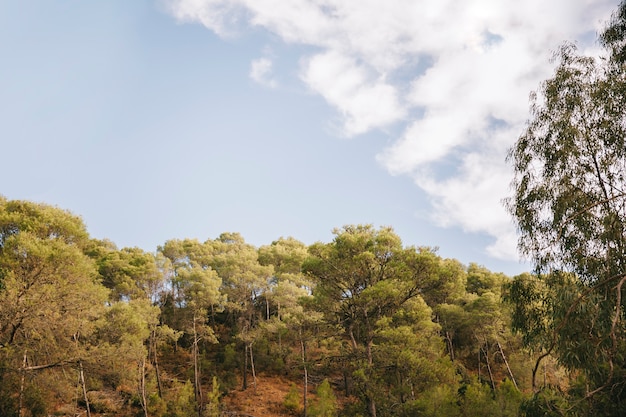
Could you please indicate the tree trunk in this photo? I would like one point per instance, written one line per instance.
(82, 382)
(306, 374)
(486, 352)
(245, 367)
(371, 407)
(507, 364)
(23, 376)
(450, 347)
(252, 367)
(371, 403)
(196, 370)
(479, 352)
(142, 387)
(155, 362)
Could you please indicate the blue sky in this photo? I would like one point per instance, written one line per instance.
(156, 120)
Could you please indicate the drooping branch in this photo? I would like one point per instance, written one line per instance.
(568, 313)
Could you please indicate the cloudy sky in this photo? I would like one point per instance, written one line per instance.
(188, 118)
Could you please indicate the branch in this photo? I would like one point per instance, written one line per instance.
(618, 312)
(570, 310)
(587, 208)
(49, 365)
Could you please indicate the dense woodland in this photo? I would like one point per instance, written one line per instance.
(393, 330)
(359, 326)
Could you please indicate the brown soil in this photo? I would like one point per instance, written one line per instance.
(267, 401)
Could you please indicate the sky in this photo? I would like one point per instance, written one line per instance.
(171, 119)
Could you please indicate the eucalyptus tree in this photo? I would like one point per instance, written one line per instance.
(569, 204)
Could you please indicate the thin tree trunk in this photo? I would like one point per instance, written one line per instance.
(82, 382)
(280, 343)
(245, 367)
(252, 367)
(306, 374)
(450, 347)
(493, 385)
(155, 361)
(371, 407)
(196, 370)
(371, 403)
(507, 364)
(23, 377)
(142, 387)
(479, 351)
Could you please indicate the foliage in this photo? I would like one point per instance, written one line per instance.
(213, 400)
(292, 401)
(478, 400)
(137, 333)
(569, 203)
(326, 403)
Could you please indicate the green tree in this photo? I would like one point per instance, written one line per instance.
(326, 404)
(478, 400)
(245, 283)
(365, 276)
(50, 298)
(569, 206)
(197, 291)
(130, 273)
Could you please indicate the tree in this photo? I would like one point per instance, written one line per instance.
(569, 203)
(129, 273)
(326, 404)
(197, 291)
(244, 283)
(50, 299)
(363, 277)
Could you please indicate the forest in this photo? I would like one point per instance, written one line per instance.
(359, 326)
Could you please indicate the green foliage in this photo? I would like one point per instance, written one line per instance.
(568, 203)
(362, 306)
(230, 357)
(365, 280)
(129, 273)
(481, 280)
(478, 400)
(545, 403)
(326, 403)
(438, 401)
(182, 401)
(35, 401)
(509, 399)
(293, 400)
(213, 400)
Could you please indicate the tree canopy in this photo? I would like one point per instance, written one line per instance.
(569, 204)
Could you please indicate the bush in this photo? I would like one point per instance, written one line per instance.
(35, 402)
(326, 404)
(292, 400)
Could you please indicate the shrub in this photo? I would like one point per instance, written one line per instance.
(326, 404)
(292, 399)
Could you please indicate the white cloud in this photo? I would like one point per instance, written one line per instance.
(364, 103)
(261, 72)
(468, 105)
